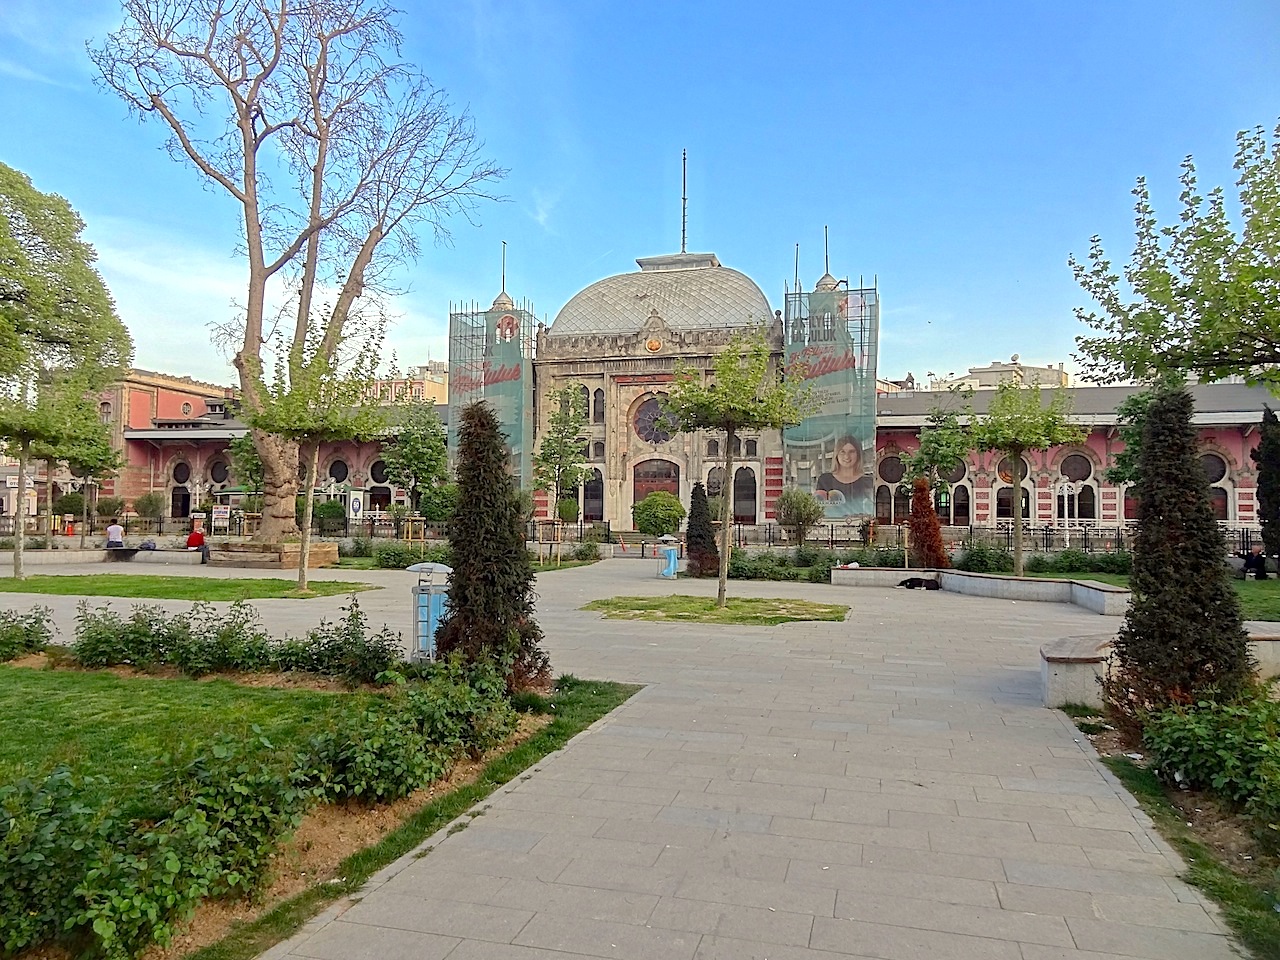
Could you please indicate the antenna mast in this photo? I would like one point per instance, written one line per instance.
(797, 286)
(826, 255)
(504, 266)
(684, 197)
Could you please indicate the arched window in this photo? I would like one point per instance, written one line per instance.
(960, 507)
(1087, 503)
(901, 503)
(884, 504)
(597, 451)
(744, 495)
(715, 481)
(752, 448)
(597, 407)
(713, 448)
(1077, 467)
(338, 471)
(104, 412)
(737, 446)
(1214, 467)
(1004, 504)
(585, 396)
(593, 497)
(1218, 501)
(652, 475)
(942, 504)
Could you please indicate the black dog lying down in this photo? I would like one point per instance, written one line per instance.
(916, 583)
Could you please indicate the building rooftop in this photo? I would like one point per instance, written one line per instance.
(689, 291)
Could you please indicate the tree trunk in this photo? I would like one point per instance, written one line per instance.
(20, 513)
(48, 501)
(726, 516)
(84, 511)
(304, 554)
(1017, 512)
(279, 488)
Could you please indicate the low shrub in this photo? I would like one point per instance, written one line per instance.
(985, 558)
(1077, 562)
(396, 555)
(346, 649)
(463, 709)
(355, 547)
(373, 755)
(216, 643)
(587, 550)
(23, 633)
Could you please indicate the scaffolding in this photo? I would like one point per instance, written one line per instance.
(831, 337)
(491, 359)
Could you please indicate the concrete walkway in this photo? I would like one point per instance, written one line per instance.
(888, 787)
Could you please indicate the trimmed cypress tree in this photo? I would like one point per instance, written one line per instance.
(488, 614)
(1183, 636)
(1267, 456)
(700, 537)
(926, 532)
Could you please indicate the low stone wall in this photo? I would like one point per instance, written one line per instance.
(272, 556)
(181, 557)
(1101, 598)
(38, 558)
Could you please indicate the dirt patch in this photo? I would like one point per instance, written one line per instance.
(327, 836)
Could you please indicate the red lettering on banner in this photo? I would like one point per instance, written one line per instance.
(469, 383)
(817, 362)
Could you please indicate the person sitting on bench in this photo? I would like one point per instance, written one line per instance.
(196, 541)
(1255, 563)
(115, 534)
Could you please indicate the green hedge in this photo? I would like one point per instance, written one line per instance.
(23, 633)
(203, 641)
(93, 873)
(396, 554)
(807, 562)
(1077, 561)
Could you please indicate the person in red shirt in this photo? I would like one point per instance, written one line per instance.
(196, 541)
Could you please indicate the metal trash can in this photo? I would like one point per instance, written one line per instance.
(668, 559)
(428, 607)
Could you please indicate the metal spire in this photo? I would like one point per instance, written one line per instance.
(826, 255)
(504, 266)
(684, 197)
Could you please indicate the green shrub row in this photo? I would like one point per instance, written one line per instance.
(23, 633)
(1231, 749)
(807, 562)
(111, 880)
(203, 641)
(1077, 561)
(396, 555)
(985, 558)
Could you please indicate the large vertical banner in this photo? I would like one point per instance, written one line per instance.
(490, 359)
(831, 337)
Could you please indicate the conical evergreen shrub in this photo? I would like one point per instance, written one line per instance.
(488, 614)
(700, 537)
(1267, 457)
(926, 532)
(1183, 636)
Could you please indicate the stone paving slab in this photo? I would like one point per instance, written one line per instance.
(887, 787)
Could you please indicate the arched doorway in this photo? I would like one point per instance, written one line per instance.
(744, 495)
(379, 498)
(649, 476)
(593, 498)
(180, 502)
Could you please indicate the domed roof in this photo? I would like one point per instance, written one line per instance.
(690, 291)
(826, 283)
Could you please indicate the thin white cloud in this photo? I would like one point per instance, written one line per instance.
(16, 70)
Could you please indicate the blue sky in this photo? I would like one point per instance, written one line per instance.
(958, 152)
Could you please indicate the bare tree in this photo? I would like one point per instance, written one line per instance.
(337, 154)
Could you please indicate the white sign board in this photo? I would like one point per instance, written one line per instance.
(222, 515)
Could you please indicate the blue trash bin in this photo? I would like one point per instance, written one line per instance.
(428, 607)
(668, 560)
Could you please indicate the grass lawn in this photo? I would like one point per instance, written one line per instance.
(745, 610)
(356, 563)
(176, 588)
(1259, 599)
(117, 727)
(565, 564)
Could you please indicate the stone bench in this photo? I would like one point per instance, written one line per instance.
(179, 555)
(1070, 668)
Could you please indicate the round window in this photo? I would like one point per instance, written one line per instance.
(956, 473)
(182, 473)
(1077, 467)
(338, 471)
(378, 471)
(1214, 467)
(186, 409)
(651, 424)
(219, 472)
(891, 469)
(1006, 469)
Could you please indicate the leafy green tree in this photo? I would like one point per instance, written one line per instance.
(1203, 291)
(700, 536)
(416, 457)
(439, 502)
(489, 611)
(798, 510)
(335, 154)
(60, 339)
(746, 392)
(72, 502)
(559, 466)
(658, 514)
(1267, 457)
(246, 463)
(149, 506)
(311, 401)
(1183, 637)
(109, 506)
(1018, 420)
(944, 442)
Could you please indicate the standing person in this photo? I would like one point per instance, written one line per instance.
(115, 534)
(847, 488)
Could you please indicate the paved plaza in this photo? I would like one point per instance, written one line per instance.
(887, 787)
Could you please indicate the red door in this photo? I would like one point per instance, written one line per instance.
(651, 475)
